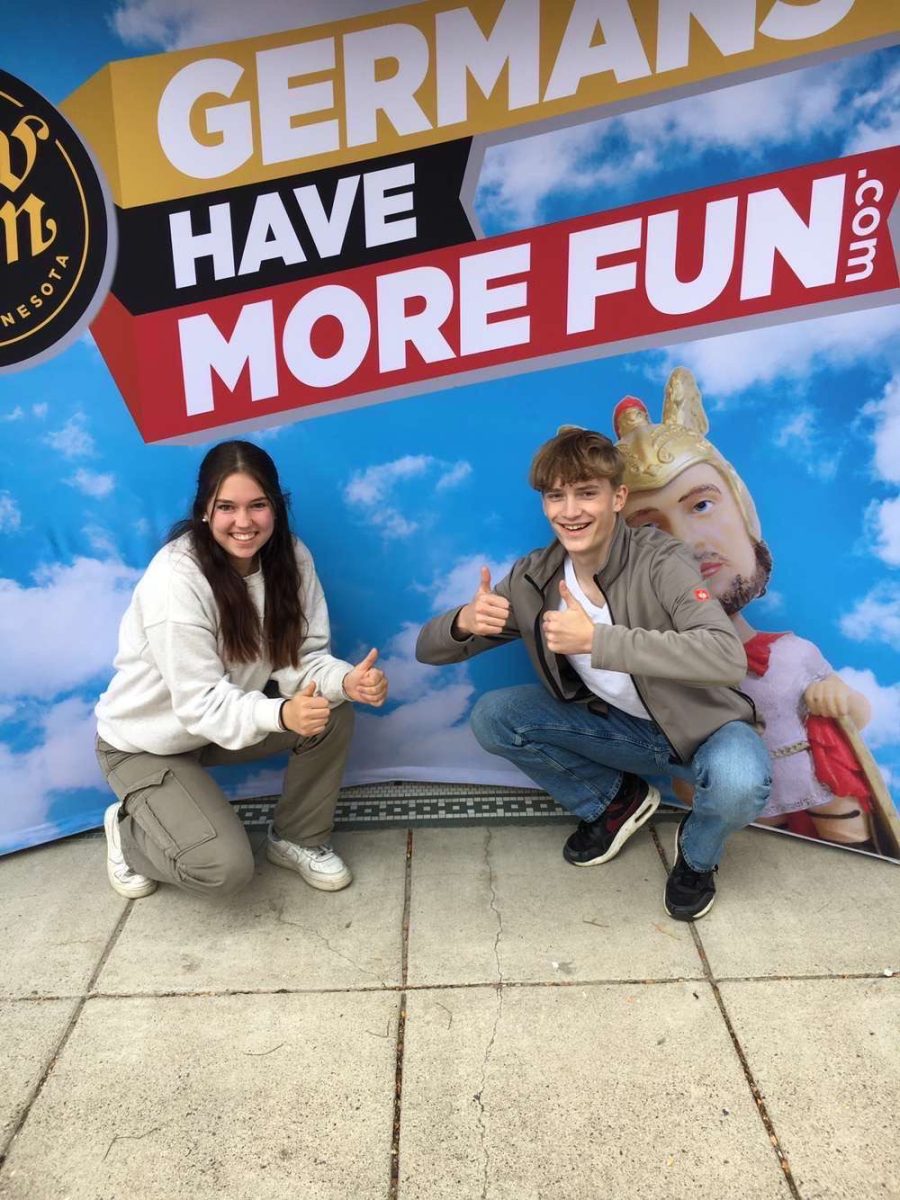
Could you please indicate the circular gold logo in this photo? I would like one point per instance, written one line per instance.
(57, 229)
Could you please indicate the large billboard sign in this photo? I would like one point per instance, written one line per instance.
(508, 215)
(245, 172)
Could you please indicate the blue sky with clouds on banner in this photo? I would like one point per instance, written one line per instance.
(401, 503)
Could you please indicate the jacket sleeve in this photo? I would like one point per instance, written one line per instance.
(205, 701)
(701, 650)
(317, 664)
(437, 645)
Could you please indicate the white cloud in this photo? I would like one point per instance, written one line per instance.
(456, 474)
(883, 516)
(10, 515)
(886, 437)
(518, 177)
(729, 365)
(521, 176)
(772, 601)
(270, 434)
(877, 113)
(408, 678)
(458, 585)
(876, 618)
(62, 761)
(73, 440)
(15, 415)
(883, 528)
(393, 524)
(176, 24)
(101, 540)
(802, 436)
(424, 739)
(60, 633)
(92, 483)
(884, 728)
(799, 428)
(427, 735)
(370, 491)
(370, 487)
(40, 410)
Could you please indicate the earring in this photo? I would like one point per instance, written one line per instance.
(206, 520)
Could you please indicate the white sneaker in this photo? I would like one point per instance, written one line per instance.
(320, 866)
(125, 881)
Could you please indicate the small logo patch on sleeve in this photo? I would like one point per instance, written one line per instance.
(701, 594)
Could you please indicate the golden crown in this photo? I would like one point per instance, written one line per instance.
(656, 454)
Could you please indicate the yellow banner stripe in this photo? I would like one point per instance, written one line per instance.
(194, 121)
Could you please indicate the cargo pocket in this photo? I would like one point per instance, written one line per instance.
(168, 813)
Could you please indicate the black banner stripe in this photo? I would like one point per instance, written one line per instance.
(146, 278)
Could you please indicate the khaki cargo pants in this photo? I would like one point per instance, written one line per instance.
(177, 826)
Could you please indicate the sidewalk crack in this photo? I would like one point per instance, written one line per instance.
(130, 1137)
(283, 920)
(479, 1095)
(494, 909)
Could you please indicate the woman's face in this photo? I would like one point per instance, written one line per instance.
(241, 520)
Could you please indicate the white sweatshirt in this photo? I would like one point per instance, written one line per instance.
(173, 691)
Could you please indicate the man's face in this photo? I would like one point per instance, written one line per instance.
(698, 508)
(583, 516)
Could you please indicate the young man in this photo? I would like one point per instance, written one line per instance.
(640, 668)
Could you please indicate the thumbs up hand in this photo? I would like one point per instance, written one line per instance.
(366, 683)
(570, 630)
(486, 614)
(306, 713)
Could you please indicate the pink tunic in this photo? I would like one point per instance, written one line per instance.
(794, 664)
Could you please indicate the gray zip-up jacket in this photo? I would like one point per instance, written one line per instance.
(668, 633)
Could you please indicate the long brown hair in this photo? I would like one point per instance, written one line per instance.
(284, 625)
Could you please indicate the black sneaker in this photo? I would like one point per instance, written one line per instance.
(689, 893)
(600, 840)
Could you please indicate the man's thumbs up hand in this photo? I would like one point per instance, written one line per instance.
(486, 614)
(570, 630)
(366, 683)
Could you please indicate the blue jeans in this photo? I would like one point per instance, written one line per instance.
(578, 757)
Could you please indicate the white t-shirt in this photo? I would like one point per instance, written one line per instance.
(615, 687)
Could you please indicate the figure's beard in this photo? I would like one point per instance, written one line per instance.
(742, 589)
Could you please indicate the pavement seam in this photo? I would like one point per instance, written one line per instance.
(389, 987)
(875, 976)
(83, 998)
(394, 1180)
(479, 1095)
(430, 987)
(755, 1091)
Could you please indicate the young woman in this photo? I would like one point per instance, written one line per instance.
(230, 602)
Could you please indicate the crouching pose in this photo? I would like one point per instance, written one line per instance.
(231, 601)
(640, 669)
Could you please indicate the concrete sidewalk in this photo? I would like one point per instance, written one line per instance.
(473, 1018)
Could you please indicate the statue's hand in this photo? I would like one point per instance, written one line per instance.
(831, 697)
